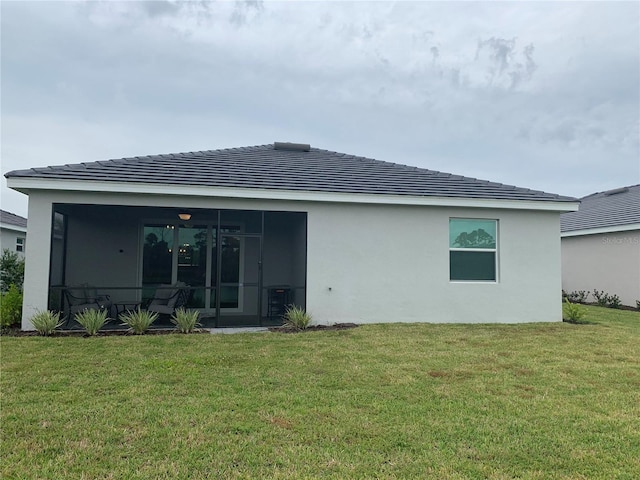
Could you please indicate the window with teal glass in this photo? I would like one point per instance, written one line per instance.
(473, 251)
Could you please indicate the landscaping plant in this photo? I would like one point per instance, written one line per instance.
(11, 270)
(572, 312)
(296, 317)
(10, 307)
(579, 296)
(46, 322)
(613, 301)
(186, 321)
(138, 320)
(602, 298)
(92, 320)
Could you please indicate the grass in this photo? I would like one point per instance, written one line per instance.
(535, 401)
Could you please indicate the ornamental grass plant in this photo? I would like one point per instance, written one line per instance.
(45, 322)
(186, 321)
(92, 320)
(138, 320)
(296, 318)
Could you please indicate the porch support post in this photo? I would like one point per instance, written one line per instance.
(218, 267)
(37, 257)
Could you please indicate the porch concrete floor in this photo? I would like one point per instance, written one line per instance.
(236, 330)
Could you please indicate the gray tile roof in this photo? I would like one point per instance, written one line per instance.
(612, 208)
(293, 167)
(9, 218)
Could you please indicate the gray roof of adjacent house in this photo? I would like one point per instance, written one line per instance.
(613, 208)
(286, 166)
(8, 218)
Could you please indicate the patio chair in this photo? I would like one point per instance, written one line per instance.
(85, 297)
(168, 298)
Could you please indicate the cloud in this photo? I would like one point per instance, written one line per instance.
(546, 85)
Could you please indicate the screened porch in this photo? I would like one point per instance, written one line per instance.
(237, 267)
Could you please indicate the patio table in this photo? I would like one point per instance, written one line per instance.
(125, 305)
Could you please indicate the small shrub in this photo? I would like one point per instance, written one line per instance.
(46, 322)
(186, 321)
(11, 307)
(602, 298)
(138, 320)
(579, 296)
(11, 270)
(572, 312)
(296, 318)
(613, 301)
(92, 320)
(582, 296)
(638, 304)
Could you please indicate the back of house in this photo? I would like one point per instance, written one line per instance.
(244, 232)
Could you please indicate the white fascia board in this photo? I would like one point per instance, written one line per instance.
(15, 228)
(595, 231)
(25, 184)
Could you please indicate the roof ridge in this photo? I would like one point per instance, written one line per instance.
(612, 208)
(611, 190)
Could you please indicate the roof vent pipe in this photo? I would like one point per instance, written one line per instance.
(296, 147)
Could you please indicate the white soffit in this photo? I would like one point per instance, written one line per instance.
(15, 228)
(596, 231)
(24, 185)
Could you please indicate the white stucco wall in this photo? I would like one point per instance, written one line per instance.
(8, 239)
(369, 264)
(36, 268)
(606, 261)
(372, 263)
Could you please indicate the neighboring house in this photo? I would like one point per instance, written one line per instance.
(601, 245)
(350, 239)
(13, 232)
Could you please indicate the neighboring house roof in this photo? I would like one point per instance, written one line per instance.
(613, 210)
(12, 221)
(285, 166)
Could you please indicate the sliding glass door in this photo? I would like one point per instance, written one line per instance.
(157, 257)
(239, 279)
(192, 262)
(191, 254)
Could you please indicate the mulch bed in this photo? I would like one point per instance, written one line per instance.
(621, 307)
(16, 332)
(314, 328)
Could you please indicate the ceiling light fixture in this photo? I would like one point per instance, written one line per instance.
(184, 216)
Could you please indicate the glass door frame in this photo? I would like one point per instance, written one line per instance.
(215, 230)
(213, 234)
(241, 279)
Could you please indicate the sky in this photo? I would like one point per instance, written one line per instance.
(543, 95)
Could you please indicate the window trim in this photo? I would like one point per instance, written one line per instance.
(21, 244)
(491, 250)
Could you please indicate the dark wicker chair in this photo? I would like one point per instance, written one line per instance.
(84, 297)
(168, 298)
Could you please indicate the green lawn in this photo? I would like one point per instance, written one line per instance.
(383, 401)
